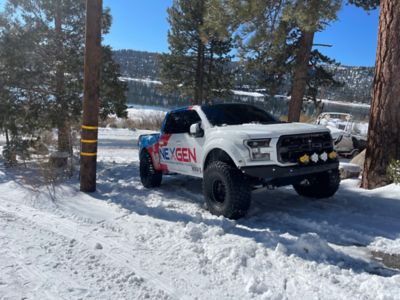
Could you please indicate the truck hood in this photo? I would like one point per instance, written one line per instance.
(270, 130)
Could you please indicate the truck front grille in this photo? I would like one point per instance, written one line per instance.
(291, 147)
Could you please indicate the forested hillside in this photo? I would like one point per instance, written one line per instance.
(357, 81)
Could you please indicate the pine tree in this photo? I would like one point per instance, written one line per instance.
(319, 78)
(365, 4)
(20, 102)
(113, 92)
(309, 17)
(277, 38)
(384, 124)
(266, 43)
(197, 66)
(56, 65)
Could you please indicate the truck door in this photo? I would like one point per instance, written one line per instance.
(180, 151)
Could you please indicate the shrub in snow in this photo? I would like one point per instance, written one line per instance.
(394, 171)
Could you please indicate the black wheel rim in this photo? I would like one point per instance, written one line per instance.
(218, 191)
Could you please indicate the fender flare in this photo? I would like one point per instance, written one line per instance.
(234, 154)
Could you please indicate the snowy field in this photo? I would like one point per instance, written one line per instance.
(126, 242)
(142, 112)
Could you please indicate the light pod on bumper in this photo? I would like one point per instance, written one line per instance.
(332, 155)
(324, 156)
(305, 159)
(315, 158)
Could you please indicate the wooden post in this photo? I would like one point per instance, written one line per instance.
(90, 121)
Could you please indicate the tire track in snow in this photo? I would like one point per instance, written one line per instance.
(29, 273)
(67, 228)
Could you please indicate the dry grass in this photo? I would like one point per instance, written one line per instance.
(303, 118)
(39, 174)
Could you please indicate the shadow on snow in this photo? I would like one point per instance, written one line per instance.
(350, 218)
(347, 219)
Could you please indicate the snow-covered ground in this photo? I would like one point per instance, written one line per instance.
(127, 242)
(142, 113)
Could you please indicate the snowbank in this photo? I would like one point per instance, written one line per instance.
(145, 113)
(127, 242)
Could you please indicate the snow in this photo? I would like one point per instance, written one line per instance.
(147, 81)
(352, 104)
(248, 94)
(127, 242)
(327, 101)
(140, 113)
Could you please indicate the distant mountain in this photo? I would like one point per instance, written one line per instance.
(357, 84)
(357, 80)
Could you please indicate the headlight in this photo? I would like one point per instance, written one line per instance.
(259, 149)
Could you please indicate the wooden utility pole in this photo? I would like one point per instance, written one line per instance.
(91, 95)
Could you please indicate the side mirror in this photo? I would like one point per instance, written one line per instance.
(196, 130)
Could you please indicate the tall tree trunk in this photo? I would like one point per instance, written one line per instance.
(199, 79)
(300, 75)
(199, 88)
(7, 138)
(384, 124)
(63, 128)
(210, 74)
(64, 136)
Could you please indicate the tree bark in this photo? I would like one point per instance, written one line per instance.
(199, 79)
(300, 75)
(7, 138)
(384, 124)
(64, 137)
(199, 88)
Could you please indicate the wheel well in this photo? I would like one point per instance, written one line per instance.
(144, 150)
(218, 155)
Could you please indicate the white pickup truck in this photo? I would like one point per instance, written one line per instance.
(236, 148)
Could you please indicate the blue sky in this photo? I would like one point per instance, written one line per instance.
(142, 25)
(354, 37)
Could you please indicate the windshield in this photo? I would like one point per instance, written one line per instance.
(236, 114)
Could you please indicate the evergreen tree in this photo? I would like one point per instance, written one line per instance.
(277, 38)
(266, 43)
(55, 67)
(320, 78)
(20, 100)
(197, 65)
(309, 17)
(113, 92)
(365, 4)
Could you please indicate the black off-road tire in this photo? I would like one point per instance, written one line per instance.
(226, 191)
(149, 176)
(318, 186)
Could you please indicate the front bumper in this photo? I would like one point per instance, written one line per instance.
(270, 173)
